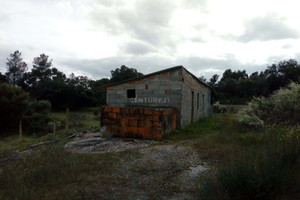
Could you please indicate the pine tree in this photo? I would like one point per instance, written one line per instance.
(15, 68)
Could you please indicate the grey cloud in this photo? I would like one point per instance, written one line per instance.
(191, 4)
(3, 56)
(208, 66)
(100, 68)
(287, 46)
(4, 17)
(276, 59)
(137, 48)
(269, 27)
(146, 64)
(146, 21)
(297, 57)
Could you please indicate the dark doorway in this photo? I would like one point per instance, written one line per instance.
(192, 107)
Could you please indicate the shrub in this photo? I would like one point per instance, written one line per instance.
(248, 118)
(37, 119)
(41, 107)
(283, 107)
(264, 172)
(37, 124)
(77, 119)
(219, 108)
(13, 103)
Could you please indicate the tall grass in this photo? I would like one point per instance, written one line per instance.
(52, 173)
(46, 168)
(260, 172)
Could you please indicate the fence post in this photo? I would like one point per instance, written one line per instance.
(67, 120)
(54, 127)
(20, 132)
(100, 120)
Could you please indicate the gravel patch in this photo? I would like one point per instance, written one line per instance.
(93, 143)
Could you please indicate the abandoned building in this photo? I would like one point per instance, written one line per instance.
(155, 104)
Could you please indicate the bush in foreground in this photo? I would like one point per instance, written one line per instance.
(283, 107)
(264, 172)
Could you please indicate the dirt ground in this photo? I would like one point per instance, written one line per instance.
(93, 143)
(142, 170)
(158, 171)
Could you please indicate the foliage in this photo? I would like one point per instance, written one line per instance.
(15, 68)
(37, 124)
(41, 174)
(280, 108)
(45, 82)
(3, 78)
(262, 172)
(13, 103)
(203, 79)
(124, 73)
(237, 87)
(77, 119)
(247, 117)
(37, 117)
(42, 107)
(98, 90)
(50, 166)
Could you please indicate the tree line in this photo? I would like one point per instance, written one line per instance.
(45, 82)
(237, 87)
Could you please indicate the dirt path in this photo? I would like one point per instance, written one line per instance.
(140, 170)
(157, 171)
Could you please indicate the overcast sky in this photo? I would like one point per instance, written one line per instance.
(92, 37)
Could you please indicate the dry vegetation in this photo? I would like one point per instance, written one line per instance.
(232, 153)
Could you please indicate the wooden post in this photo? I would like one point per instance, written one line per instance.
(54, 127)
(67, 120)
(20, 132)
(100, 121)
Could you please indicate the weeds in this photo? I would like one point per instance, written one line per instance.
(36, 175)
(260, 172)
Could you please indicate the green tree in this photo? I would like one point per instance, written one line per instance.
(124, 73)
(213, 80)
(3, 78)
(203, 79)
(41, 70)
(15, 68)
(13, 103)
(98, 90)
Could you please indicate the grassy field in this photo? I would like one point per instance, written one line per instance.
(79, 121)
(244, 164)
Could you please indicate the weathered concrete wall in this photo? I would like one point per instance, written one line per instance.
(172, 89)
(147, 123)
(159, 91)
(201, 106)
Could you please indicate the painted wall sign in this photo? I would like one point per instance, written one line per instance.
(149, 100)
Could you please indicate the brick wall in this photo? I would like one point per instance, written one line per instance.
(147, 123)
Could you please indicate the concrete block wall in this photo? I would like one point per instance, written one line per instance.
(172, 89)
(147, 123)
(201, 105)
(161, 90)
